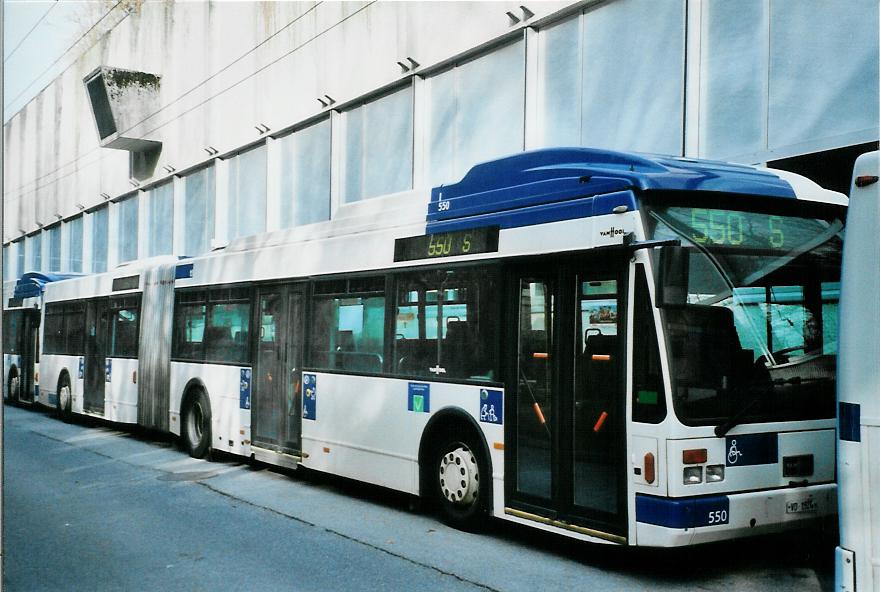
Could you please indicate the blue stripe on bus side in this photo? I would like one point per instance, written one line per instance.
(682, 513)
(849, 418)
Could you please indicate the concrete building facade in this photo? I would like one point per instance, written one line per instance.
(185, 125)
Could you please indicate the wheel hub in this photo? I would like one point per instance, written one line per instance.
(64, 397)
(195, 424)
(459, 476)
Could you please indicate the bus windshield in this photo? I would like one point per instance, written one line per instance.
(749, 303)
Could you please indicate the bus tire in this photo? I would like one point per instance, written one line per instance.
(459, 473)
(65, 399)
(13, 387)
(196, 433)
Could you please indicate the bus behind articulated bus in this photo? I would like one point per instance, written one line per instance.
(22, 302)
(858, 393)
(610, 346)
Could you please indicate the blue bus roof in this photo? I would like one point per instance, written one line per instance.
(561, 183)
(32, 283)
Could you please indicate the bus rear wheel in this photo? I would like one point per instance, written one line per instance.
(65, 400)
(460, 472)
(197, 425)
(13, 388)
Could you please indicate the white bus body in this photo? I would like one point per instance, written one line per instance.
(498, 340)
(858, 445)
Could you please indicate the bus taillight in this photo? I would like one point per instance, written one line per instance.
(694, 456)
(650, 473)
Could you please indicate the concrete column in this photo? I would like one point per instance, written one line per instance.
(143, 224)
(179, 208)
(421, 131)
(274, 199)
(533, 136)
(337, 160)
(221, 206)
(64, 237)
(693, 41)
(88, 267)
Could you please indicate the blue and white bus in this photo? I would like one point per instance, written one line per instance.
(22, 300)
(610, 346)
(858, 391)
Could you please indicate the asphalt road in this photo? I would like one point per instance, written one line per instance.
(90, 507)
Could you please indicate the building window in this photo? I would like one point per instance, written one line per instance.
(305, 175)
(8, 272)
(74, 244)
(54, 236)
(379, 146)
(34, 246)
(625, 103)
(247, 193)
(198, 211)
(160, 220)
(100, 224)
(778, 79)
(127, 235)
(477, 112)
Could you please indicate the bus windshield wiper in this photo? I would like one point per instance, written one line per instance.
(734, 420)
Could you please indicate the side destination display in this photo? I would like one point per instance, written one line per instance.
(447, 244)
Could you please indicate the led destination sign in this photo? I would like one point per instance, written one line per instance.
(447, 244)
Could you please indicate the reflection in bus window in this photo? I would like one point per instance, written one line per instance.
(457, 306)
(348, 330)
(124, 328)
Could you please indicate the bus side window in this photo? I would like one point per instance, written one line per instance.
(348, 325)
(649, 400)
(446, 323)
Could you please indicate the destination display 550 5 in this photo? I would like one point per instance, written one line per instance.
(447, 244)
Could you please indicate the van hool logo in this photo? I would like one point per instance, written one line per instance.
(612, 232)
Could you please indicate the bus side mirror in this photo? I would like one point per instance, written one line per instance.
(672, 277)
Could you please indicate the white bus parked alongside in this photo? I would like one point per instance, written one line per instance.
(613, 347)
(22, 301)
(858, 390)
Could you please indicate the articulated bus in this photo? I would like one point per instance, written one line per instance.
(858, 446)
(21, 324)
(610, 346)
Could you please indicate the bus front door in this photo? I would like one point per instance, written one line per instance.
(96, 372)
(275, 407)
(566, 462)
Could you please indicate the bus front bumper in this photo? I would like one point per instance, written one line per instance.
(675, 522)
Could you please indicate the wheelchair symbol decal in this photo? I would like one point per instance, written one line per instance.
(732, 453)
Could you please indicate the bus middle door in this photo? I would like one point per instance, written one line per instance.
(275, 409)
(96, 372)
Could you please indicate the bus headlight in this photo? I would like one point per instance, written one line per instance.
(714, 473)
(693, 475)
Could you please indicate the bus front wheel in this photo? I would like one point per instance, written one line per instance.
(197, 425)
(460, 487)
